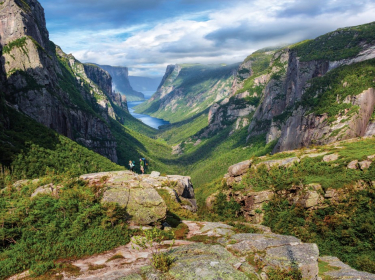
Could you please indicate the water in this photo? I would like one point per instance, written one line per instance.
(146, 119)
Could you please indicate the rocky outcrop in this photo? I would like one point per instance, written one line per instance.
(120, 82)
(138, 194)
(39, 82)
(308, 196)
(231, 256)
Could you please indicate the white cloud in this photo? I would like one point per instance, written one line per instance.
(229, 35)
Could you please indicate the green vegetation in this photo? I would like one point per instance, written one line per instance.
(18, 43)
(32, 150)
(23, 5)
(199, 85)
(38, 231)
(340, 44)
(325, 267)
(178, 132)
(327, 94)
(284, 274)
(160, 260)
(343, 228)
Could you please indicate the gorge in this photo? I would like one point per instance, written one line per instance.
(274, 157)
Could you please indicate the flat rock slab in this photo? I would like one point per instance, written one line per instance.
(344, 271)
(305, 256)
(200, 261)
(253, 242)
(331, 157)
(287, 162)
(209, 229)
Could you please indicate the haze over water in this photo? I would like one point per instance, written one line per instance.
(146, 119)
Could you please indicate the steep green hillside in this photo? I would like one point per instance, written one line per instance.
(189, 90)
(31, 150)
(340, 44)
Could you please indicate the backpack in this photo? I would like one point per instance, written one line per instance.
(145, 161)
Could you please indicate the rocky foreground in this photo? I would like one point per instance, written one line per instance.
(206, 250)
(221, 254)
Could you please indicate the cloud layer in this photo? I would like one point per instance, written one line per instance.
(147, 35)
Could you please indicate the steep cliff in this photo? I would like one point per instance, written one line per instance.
(188, 89)
(48, 85)
(319, 91)
(315, 92)
(120, 82)
(104, 81)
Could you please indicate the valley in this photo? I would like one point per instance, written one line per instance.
(261, 169)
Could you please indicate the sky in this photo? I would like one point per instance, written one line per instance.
(148, 35)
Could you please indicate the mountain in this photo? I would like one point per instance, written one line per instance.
(144, 83)
(49, 86)
(39, 81)
(121, 83)
(189, 89)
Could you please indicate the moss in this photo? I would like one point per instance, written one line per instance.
(18, 43)
(325, 267)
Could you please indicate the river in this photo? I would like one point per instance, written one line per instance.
(146, 119)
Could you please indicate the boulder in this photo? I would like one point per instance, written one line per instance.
(184, 187)
(239, 168)
(155, 174)
(138, 194)
(47, 189)
(143, 204)
(331, 157)
(310, 199)
(353, 164)
(364, 164)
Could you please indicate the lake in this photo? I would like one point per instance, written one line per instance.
(146, 119)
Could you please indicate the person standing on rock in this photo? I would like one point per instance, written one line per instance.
(131, 165)
(142, 164)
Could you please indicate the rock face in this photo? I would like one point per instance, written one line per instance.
(120, 82)
(138, 193)
(294, 126)
(49, 86)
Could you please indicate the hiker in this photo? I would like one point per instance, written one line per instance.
(142, 164)
(131, 165)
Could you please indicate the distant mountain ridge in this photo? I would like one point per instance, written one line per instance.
(189, 89)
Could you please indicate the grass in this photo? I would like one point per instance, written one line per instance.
(340, 44)
(321, 97)
(115, 257)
